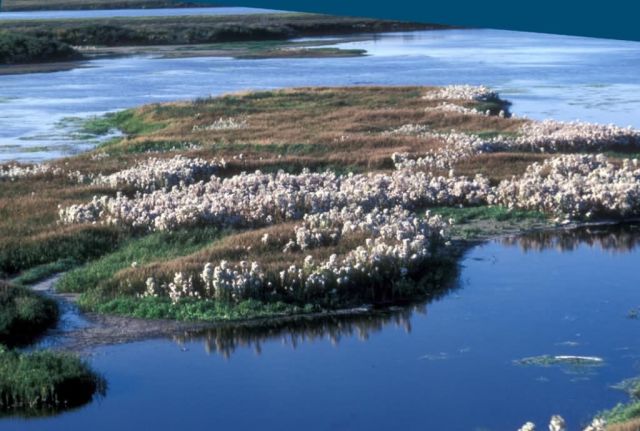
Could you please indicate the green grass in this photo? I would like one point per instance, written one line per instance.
(496, 213)
(81, 245)
(24, 315)
(33, 384)
(621, 412)
(42, 272)
(143, 250)
(126, 121)
(197, 310)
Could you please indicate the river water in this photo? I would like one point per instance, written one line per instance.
(446, 365)
(564, 78)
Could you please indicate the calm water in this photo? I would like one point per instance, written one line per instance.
(545, 76)
(444, 365)
(113, 13)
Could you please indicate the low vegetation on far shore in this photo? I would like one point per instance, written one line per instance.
(27, 48)
(31, 41)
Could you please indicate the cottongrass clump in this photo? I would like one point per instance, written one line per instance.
(462, 92)
(558, 136)
(259, 199)
(458, 109)
(557, 423)
(223, 123)
(15, 171)
(398, 245)
(580, 186)
(455, 147)
(158, 173)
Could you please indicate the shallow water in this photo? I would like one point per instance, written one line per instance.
(444, 365)
(564, 78)
(113, 13)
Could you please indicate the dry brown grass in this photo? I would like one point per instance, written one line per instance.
(632, 425)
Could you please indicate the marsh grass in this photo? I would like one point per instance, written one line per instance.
(497, 213)
(24, 315)
(44, 271)
(125, 121)
(33, 384)
(142, 250)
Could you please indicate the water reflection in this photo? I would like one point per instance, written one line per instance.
(621, 238)
(225, 340)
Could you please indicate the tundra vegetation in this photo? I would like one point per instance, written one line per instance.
(299, 201)
(244, 36)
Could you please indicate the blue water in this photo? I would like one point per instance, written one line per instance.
(545, 76)
(124, 13)
(445, 365)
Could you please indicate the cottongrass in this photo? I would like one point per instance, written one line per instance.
(578, 186)
(557, 423)
(398, 245)
(223, 123)
(158, 173)
(15, 171)
(462, 92)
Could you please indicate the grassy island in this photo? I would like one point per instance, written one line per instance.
(302, 201)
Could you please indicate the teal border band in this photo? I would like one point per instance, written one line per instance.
(614, 19)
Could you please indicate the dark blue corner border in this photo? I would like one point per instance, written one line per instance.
(614, 19)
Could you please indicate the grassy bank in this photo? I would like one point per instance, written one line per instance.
(200, 29)
(40, 383)
(24, 315)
